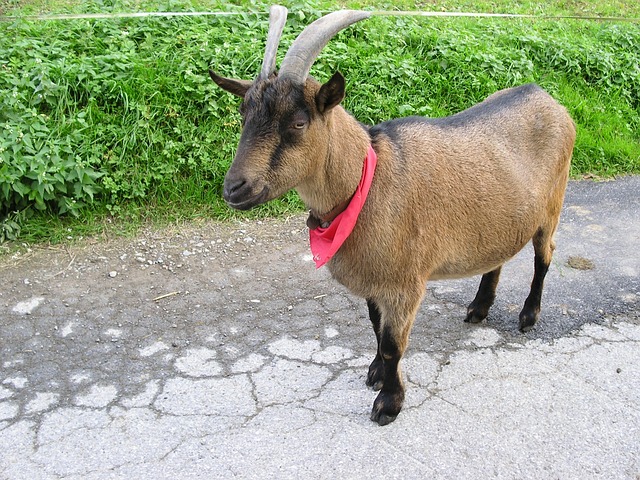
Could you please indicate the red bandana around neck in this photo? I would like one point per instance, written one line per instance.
(325, 242)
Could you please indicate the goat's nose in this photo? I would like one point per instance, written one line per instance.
(234, 188)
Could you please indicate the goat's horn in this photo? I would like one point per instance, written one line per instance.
(277, 19)
(304, 50)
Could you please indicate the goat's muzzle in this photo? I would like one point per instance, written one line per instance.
(241, 194)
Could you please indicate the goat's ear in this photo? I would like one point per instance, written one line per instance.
(237, 87)
(331, 93)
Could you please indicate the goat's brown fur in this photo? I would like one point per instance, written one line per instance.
(458, 201)
(450, 197)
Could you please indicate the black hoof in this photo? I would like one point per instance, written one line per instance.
(474, 315)
(386, 407)
(528, 319)
(477, 311)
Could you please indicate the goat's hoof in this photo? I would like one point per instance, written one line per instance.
(474, 316)
(386, 407)
(476, 312)
(528, 319)
(375, 377)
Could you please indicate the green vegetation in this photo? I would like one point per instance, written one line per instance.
(115, 122)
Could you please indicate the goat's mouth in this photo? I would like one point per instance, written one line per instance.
(245, 203)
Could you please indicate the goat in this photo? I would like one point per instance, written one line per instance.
(450, 197)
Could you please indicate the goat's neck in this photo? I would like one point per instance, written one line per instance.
(339, 169)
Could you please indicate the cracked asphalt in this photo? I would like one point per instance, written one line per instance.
(218, 351)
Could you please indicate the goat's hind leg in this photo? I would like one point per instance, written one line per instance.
(479, 308)
(543, 247)
(375, 376)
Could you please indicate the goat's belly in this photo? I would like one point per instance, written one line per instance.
(451, 272)
(468, 264)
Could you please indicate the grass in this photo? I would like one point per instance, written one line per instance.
(108, 124)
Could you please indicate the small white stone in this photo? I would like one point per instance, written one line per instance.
(66, 330)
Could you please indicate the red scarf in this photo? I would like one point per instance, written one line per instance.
(325, 242)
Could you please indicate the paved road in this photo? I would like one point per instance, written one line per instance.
(217, 351)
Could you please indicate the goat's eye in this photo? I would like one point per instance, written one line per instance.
(298, 123)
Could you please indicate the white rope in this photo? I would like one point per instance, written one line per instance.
(97, 16)
(502, 15)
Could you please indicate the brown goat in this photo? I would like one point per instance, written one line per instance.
(450, 197)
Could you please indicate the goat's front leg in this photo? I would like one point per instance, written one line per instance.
(396, 318)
